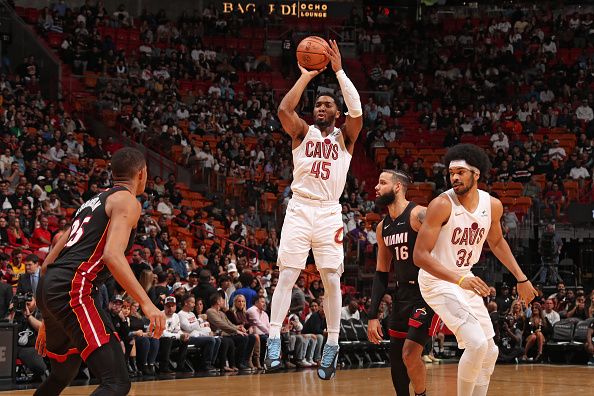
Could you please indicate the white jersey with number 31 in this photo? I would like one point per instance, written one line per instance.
(461, 239)
(320, 165)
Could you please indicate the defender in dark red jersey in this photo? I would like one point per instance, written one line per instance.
(411, 321)
(77, 329)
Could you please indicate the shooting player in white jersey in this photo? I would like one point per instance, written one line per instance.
(449, 243)
(321, 159)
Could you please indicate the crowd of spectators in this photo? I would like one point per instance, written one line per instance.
(519, 84)
(499, 78)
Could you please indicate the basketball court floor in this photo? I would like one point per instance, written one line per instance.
(525, 380)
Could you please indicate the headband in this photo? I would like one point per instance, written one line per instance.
(463, 164)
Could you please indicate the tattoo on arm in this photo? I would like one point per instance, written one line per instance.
(421, 215)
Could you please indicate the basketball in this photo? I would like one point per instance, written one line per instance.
(310, 53)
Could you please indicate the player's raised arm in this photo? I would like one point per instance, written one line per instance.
(124, 211)
(502, 251)
(354, 119)
(379, 287)
(295, 126)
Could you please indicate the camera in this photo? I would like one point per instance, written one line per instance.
(20, 300)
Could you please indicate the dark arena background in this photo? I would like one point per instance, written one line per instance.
(196, 85)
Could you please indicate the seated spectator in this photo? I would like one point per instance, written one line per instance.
(16, 236)
(250, 294)
(16, 267)
(172, 337)
(200, 332)
(509, 340)
(42, 237)
(236, 352)
(147, 347)
(351, 310)
(237, 315)
(204, 289)
(579, 309)
(550, 313)
(535, 333)
(179, 263)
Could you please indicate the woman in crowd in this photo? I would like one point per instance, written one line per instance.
(237, 316)
(535, 332)
(147, 347)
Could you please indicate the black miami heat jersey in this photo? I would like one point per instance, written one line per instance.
(83, 251)
(400, 238)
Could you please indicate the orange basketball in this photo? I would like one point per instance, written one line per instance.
(310, 53)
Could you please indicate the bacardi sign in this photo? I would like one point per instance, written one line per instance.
(299, 9)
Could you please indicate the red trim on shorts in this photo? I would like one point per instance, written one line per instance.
(61, 358)
(397, 334)
(414, 323)
(435, 322)
(82, 303)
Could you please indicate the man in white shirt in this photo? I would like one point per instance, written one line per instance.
(550, 313)
(240, 221)
(56, 152)
(351, 311)
(200, 332)
(578, 171)
(172, 336)
(584, 112)
(557, 152)
(500, 141)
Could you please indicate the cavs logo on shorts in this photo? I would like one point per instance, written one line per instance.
(339, 236)
(419, 312)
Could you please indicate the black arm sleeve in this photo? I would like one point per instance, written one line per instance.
(378, 289)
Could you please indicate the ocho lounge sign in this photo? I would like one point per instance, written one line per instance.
(299, 9)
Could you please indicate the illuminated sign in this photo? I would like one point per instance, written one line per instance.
(299, 9)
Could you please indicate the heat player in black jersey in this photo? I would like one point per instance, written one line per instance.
(411, 321)
(75, 328)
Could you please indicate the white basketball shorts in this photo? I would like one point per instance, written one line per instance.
(316, 225)
(454, 305)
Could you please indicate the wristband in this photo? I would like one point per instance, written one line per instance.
(461, 279)
(524, 281)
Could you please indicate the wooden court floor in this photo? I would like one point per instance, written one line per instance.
(524, 380)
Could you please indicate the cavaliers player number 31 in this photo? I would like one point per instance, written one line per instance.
(321, 158)
(77, 328)
(449, 243)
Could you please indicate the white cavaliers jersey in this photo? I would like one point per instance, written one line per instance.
(461, 239)
(320, 165)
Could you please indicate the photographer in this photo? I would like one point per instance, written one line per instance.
(549, 250)
(25, 314)
(509, 340)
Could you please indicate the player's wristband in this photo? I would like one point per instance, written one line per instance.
(461, 279)
(524, 281)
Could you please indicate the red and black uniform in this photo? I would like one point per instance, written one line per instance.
(411, 317)
(74, 321)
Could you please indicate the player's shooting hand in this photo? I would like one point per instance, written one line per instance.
(526, 292)
(309, 73)
(475, 284)
(374, 331)
(40, 342)
(156, 318)
(334, 54)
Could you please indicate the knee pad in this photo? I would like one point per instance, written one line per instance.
(488, 365)
(476, 348)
